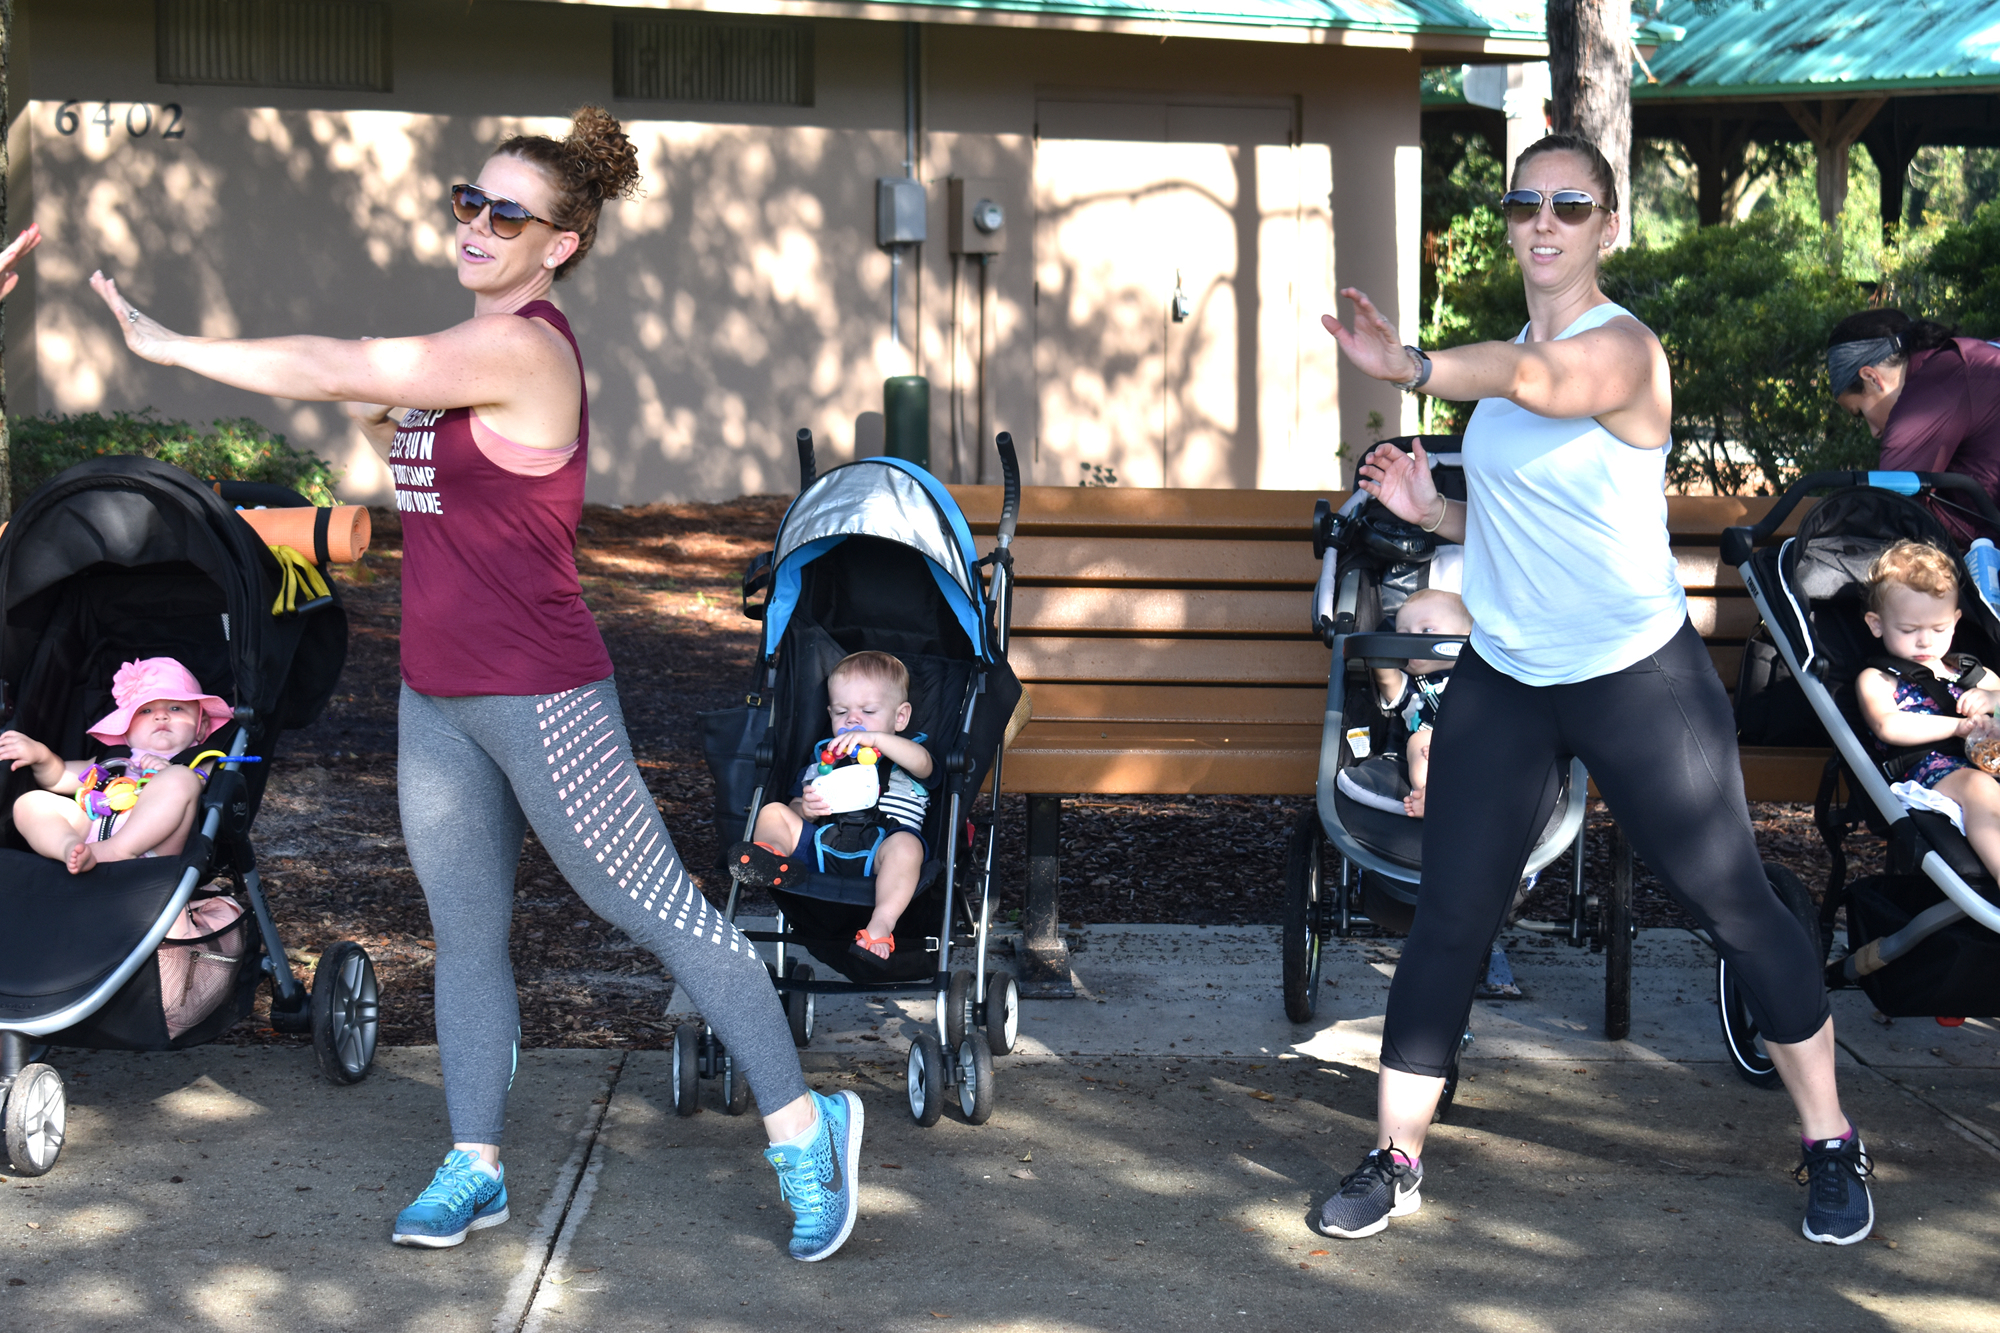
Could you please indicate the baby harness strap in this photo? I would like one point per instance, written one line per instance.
(1421, 698)
(1968, 675)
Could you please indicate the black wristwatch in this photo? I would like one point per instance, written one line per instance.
(1423, 375)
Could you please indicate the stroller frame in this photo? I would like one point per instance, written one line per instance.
(953, 1056)
(1929, 848)
(341, 1009)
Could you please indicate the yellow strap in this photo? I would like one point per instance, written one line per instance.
(300, 576)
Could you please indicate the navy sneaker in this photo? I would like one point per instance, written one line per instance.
(1380, 1188)
(1835, 1173)
(822, 1179)
(464, 1195)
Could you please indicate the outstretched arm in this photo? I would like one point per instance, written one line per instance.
(488, 360)
(30, 237)
(1616, 373)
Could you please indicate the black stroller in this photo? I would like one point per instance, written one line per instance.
(122, 558)
(876, 555)
(1923, 940)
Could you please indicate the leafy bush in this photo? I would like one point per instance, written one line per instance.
(238, 450)
(1743, 312)
(1957, 281)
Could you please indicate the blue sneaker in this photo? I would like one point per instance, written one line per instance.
(1839, 1210)
(464, 1195)
(821, 1179)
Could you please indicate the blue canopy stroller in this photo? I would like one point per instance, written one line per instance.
(122, 558)
(876, 555)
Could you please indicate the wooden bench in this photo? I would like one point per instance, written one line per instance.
(1163, 638)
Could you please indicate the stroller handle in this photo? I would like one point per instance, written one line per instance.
(1738, 542)
(807, 469)
(1010, 473)
(1392, 650)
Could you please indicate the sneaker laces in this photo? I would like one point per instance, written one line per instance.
(1822, 1168)
(455, 1183)
(802, 1184)
(1377, 1169)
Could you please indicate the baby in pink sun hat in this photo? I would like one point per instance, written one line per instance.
(87, 813)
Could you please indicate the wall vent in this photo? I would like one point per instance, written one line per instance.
(695, 58)
(334, 44)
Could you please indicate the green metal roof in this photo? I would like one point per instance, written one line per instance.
(1511, 20)
(1825, 48)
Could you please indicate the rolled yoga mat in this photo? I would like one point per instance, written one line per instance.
(339, 534)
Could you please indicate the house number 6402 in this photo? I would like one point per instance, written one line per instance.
(140, 119)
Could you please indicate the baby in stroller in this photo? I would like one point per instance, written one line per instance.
(1921, 701)
(121, 809)
(1416, 692)
(879, 823)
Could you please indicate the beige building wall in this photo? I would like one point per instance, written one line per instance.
(744, 296)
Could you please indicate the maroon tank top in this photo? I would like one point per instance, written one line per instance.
(491, 602)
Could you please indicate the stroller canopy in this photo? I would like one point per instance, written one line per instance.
(890, 499)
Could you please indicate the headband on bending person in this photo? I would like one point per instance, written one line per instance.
(1845, 360)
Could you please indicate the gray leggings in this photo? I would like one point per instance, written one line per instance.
(472, 773)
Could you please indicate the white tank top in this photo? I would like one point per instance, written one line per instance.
(1568, 568)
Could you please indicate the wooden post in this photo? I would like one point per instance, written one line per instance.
(1833, 126)
(1892, 141)
(1044, 959)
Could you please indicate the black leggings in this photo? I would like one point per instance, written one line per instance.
(1660, 742)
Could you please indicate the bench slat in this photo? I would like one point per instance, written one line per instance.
(1185, 661)
(1170, 561)
(1222, 705)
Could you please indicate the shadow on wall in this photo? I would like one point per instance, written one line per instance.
(741, 298)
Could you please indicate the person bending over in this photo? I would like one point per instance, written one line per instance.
(1417, 693)
(1913, 610)
(868, 700)
(87, 813)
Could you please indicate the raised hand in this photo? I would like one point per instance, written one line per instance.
(143, 334)
(1401, 481)
(1370, 341)
(30, 237)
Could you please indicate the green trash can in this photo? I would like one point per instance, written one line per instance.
(906, 419)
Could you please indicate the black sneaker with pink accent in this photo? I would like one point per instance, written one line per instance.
(1382, 1187)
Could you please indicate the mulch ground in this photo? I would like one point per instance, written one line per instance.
(664, 583)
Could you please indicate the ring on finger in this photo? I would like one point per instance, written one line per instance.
(131, 316)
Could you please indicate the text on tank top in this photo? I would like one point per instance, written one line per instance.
(1568, 568)
(491, 600)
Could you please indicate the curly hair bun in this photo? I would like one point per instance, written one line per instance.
(600, 157)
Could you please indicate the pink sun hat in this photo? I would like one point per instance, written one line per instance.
(140, 683)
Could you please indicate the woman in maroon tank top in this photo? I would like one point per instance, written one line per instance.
(509, 715)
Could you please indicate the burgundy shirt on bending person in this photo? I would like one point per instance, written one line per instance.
(491, 601)
(1947, 419)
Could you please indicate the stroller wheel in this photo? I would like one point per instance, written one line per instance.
(345, 1012)
(1739, 1032)
(1003, 1011)
(687, 1074)
(735, 1088)
(975, 1079)
(1448, 1096)
(958, 1015)
(1305, 880)
(36, 1113)
(926, 1079)
(799, 1006)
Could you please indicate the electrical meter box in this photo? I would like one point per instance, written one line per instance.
(900, 212)
(977, 220)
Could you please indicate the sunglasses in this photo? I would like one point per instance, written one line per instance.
(1569, 206)
(510, 219)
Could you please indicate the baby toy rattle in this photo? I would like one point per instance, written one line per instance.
(863, 754)
(104, 793)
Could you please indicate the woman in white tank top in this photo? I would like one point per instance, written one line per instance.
(1581, 647)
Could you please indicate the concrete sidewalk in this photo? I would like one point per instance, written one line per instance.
(1156, 1147)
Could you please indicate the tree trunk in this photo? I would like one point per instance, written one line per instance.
(6, 443)
(1590, 71)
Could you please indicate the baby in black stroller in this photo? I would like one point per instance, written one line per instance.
(141, 805)
(861, 798)
(1414, 692)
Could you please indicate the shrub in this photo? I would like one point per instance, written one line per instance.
(1743, 312)
(1957, 281)
(238, 450)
